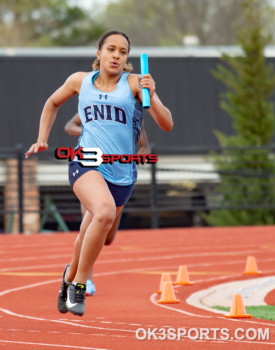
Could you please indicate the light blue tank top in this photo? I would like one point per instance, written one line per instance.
(111, 121)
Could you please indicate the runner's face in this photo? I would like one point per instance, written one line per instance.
(113, 54)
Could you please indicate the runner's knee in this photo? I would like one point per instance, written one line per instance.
(106, 215)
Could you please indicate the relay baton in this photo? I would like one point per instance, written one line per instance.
(144, 70)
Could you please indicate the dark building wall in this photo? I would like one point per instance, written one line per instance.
(184, 84)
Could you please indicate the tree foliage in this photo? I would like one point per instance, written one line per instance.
(147, 22)
(247, 176)
(167, 22)
(45, 23)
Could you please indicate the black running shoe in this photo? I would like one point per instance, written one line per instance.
(76, 299)
(62, 296)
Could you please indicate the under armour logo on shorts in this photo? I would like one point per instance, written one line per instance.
(76, 172)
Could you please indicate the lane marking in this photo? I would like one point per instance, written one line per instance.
(23, 274)
(33, 331)
(26, 258)
(189, 272)
(159, 247)
(54, 345)
(207, 264)
(130, 247)
(121, 323)
(60, 321)
(244, 320)
(154, 296)
(141, 250)
(28, 286)
(79, 325)
(57, 332)
(109, 273)
(232, 262)
(32, 267)
(253, 292)
(269, 247)
(49, 250)
(170, 256)
(153, 300)
(247, 342)
(65, 322)
(105, 274)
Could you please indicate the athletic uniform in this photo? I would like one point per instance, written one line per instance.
(112, 122)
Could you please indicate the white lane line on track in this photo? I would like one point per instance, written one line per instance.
(121, 336)
(105, 322)
(221, 341)
(225, 341)
(246, 321)
(56, 332)
(141, 249)
(104, 335)
(33, 331)
(228, 319)
(67, 245)
(170, 256)
(59, 279)
(214, 263)
(49, 250)
(65, 322)
(121, 323)
(249, 342)
(28, 286)
(21, 268)
(54, 345)
(36, 258)
(234, 319)
(153, 300)
(28, 246)
(113, 273)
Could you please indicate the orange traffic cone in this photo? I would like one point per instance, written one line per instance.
(237, 309)
(182, 277)
(251, 266)
(168, 294)
(165, 277)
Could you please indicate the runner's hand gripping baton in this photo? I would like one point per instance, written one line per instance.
(144, 70)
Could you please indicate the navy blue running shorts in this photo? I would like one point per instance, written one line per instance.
(121, 194)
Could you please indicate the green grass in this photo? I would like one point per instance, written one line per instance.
(265, 312)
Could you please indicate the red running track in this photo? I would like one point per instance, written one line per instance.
(127, 274)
